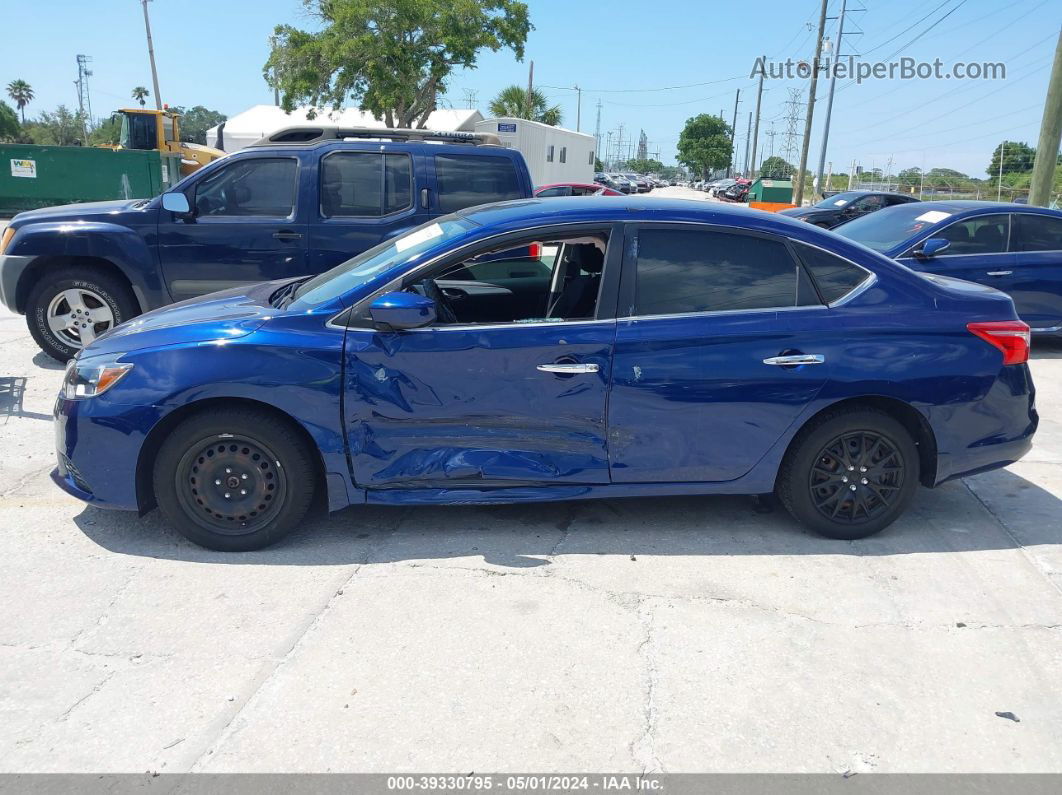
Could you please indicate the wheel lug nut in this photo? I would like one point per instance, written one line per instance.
(852, 487)
(844, 478)
(228, 496)
(851, 469)
(864, 481)
(244, 476)
(862, 469)
(228, 471)
(243, 491)
(217, 482)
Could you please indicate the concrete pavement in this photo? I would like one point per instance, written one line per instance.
(691, 634)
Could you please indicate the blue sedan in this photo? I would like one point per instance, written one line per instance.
(1012, 247)
(552, 350)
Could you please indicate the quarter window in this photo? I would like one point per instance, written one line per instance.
(706, 271)
(1038, 233)
(467, 180)
(365, 184)
(985, 234)
(258, 187)
(834, 276)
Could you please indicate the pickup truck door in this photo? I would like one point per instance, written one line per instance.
(248, 225)
(366, 197)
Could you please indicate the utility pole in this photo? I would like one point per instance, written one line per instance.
(748, 136)
(1050, 136)
(578, 108)
(851, 175)
(733, 134)
(756, 129)
(608, 152)
(597, 131)
(834, 57)
(770, 135)
(530, 86)
(151, 57)
(798, 189)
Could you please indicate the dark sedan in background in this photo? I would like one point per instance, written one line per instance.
(843, 207)
(1012, 247)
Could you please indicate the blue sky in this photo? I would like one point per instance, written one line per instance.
(621, 52)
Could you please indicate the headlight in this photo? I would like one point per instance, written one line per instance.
(87, 378)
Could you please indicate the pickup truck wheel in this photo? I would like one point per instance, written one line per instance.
(67, 309)
(234, 479)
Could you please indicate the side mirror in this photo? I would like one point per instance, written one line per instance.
(396, 311)
(176, 202)
(932, 247)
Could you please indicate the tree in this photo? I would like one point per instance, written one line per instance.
(10, 131)
(704, 144)
(108, 133)
(649, 166)
(21, 94)
(140, 94)
(598, 165)
(777, 168)
(512, 101)
(196, 120)
(393, 58)
(61, 128)
(1016, 157)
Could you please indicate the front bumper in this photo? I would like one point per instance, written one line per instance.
(11, 269)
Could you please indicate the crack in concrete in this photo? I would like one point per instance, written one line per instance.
(276, 664)
(1032, 561)
(24, 480)
(643, 747)
(96, 688)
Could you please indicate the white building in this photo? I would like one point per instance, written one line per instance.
(258, 121)
(553, 154)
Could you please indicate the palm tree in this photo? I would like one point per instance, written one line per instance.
(512, 101)
(140, 94)
(21, 93)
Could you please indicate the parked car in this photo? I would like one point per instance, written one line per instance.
(643, 347)
(718, 187)
(843, 207)
(297, 203)
(1014, 248)
(639, 181)
(738, 192)
(622, 184)
(574, 189)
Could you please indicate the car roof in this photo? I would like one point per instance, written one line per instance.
(593, 185)
(957, 206)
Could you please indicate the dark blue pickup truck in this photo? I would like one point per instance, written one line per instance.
(296, 203)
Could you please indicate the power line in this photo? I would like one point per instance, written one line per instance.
(913, 25)
(924, 32)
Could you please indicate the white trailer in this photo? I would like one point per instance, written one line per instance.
(553, 154)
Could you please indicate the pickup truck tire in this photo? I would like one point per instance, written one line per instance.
(234, 479)
(71, 306)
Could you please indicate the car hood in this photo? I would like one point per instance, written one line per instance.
(219, 316)
(77, 212)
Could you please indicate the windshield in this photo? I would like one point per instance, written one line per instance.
(839, 200)
(892, 226)
(363, 268)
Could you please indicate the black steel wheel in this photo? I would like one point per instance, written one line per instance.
(850, 474)
(234, 479)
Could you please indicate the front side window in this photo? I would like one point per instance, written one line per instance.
(365, 184)
(259, 187)
(468, 180)
(1037, 233)
(688, 271)
(985, 234)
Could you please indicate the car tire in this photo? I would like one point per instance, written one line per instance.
(850, 473)
(233, 479)
(107, 297)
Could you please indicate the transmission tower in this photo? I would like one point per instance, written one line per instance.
(84, 101)
(597, 132)
(470, 97)
(793, 120)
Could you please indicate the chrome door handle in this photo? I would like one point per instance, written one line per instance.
(1000, 273)
(569, 369)
(800, 358)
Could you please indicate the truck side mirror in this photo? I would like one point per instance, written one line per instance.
(176, 202)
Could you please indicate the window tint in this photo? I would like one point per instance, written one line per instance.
(554, 192)
(263, 187)
(1038, 233)
(466, 180)
(986, 234)
(365, 184)
(693, 271)
(834, 276)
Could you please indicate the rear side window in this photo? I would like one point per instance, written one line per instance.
(985, 234)
(467, 180)
(693, 271)
(365, 184)
(834, 276)
(1037, 233)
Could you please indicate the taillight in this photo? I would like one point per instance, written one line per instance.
(534, 251)
(1011, 337)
